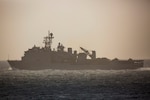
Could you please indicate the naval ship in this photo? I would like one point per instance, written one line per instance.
(38, 58)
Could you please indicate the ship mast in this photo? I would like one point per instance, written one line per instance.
(48, 40)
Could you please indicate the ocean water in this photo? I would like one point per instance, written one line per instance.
(74, 84)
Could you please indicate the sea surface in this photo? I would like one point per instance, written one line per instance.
(74, 84)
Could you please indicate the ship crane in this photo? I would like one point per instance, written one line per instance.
(48, 40)
(92, 56)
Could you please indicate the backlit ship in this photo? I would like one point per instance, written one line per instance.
(38, 58)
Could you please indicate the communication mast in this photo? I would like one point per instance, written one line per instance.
(48, 40)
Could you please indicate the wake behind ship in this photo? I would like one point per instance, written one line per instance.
(38, 58)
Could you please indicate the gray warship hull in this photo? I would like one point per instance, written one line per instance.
(38, 66)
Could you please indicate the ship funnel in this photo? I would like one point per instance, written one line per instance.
(93, 54)
(70, 50)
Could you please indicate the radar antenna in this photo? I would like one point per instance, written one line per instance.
(48, 40)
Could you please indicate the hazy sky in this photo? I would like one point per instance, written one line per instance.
(114, 28)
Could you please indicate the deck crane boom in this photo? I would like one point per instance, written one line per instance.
(87, 53)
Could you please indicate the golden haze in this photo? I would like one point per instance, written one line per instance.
(114, 28)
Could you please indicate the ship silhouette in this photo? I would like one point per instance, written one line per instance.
(38, 58)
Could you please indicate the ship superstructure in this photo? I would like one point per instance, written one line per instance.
(38, 58)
